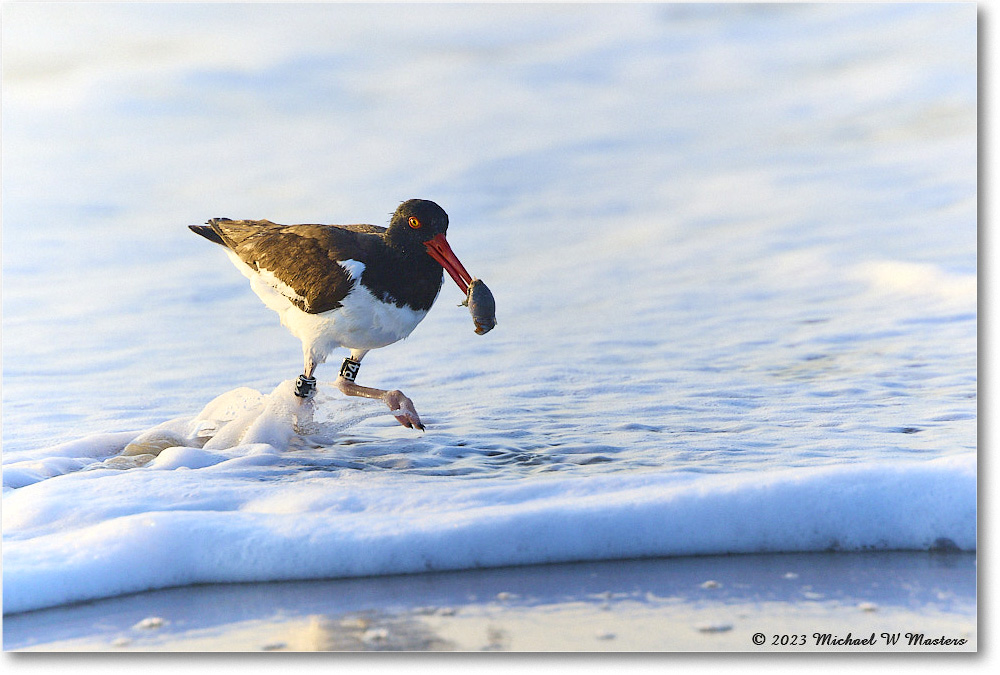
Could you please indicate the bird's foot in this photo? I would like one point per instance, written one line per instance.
(305, 386)
(400, 404)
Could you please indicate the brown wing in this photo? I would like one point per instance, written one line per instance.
(302, 257)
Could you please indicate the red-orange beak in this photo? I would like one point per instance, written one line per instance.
(439, 249)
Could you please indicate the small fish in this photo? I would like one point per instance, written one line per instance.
(482, 306)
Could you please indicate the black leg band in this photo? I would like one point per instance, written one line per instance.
(305, 386)
(349, 369)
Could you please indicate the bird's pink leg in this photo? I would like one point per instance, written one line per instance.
(398, 402)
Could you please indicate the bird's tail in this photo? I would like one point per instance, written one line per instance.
(208, 232)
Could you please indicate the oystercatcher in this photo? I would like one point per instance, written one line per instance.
(356, 286)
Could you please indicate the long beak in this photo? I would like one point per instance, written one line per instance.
(439, 249)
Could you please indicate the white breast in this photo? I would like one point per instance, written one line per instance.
(362, 322)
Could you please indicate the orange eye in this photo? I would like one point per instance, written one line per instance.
(415, 223)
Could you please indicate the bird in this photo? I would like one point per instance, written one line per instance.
(359, 287)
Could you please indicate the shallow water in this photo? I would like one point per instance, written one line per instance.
(722, 239)
(682, 604)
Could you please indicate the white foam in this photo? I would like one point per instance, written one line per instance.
(27, 467)
(195, 516)
(236, 420)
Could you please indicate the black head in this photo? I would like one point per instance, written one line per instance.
(417, 221)
(419, 224)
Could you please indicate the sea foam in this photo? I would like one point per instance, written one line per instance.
(231, 514)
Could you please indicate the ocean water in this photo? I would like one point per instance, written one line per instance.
(733, 250)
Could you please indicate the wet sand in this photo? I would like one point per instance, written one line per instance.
(828, 602)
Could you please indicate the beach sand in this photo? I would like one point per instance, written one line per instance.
(696, 604)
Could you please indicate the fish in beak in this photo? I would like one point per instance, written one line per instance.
(478, 297)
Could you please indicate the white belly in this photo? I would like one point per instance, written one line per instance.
(362, 322)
